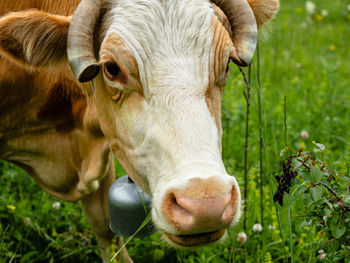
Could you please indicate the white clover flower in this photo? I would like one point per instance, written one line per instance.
(272, 227)
(323, 256)
(324, 12)
(321, 251)
(257, 228)
(56, 206)
(304, 135)
(242, 237)
(27, 221)
(310, 7)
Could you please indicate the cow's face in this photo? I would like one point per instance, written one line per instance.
(164, 65)
(158, 100)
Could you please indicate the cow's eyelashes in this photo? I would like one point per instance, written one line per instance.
(112, 70)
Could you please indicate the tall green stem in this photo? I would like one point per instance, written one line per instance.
(261, 143)
(247, 95)
(290, 233)
(285, 121)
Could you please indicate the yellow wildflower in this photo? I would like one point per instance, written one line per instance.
(299, 10)
(332, 47)
(319, 17)
(11, 207)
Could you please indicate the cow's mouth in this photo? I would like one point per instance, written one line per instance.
(196, 239)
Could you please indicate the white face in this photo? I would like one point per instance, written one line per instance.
(158, 101)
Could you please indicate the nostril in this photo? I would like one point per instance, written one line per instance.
(228, 213)
(176, 213)
(235, 195)
(175, 206)
(232, 209)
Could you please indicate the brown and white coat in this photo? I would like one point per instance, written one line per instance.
(155, 103)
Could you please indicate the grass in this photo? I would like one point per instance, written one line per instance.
(306, 62)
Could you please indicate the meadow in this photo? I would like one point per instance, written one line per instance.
(303, 81)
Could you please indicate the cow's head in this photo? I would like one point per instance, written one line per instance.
(158, 70)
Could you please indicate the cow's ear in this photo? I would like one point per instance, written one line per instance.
(34, 38)
(264, 10)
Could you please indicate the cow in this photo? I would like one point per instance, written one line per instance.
(142, 80)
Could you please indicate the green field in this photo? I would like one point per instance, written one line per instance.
(303, 58)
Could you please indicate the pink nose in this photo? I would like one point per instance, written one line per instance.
(202, 207)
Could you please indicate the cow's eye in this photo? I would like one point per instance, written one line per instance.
(112, 70)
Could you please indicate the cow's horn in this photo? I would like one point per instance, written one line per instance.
(244, 28)
(80, 43)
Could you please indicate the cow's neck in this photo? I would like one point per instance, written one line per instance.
(30, 106)
(44, 123)
(34, 103)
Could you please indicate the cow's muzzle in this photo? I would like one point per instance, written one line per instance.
(201, 212)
